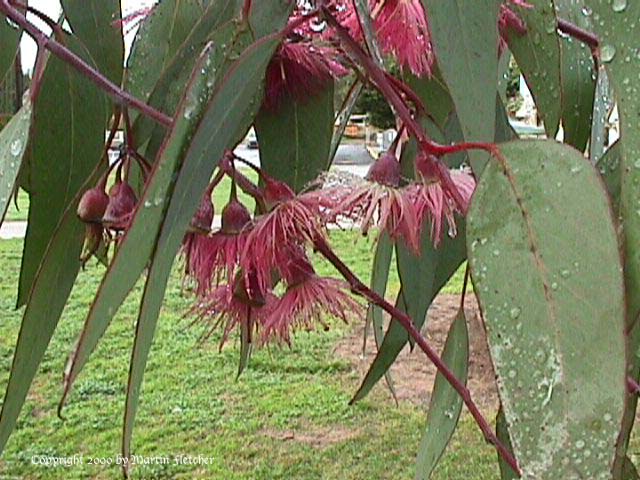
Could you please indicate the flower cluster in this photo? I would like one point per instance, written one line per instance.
(106, 216)
(254, 271)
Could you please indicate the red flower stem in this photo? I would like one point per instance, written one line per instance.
(578, 33)
(246, 9)
(410, 94)
(361, 289)
(116, 93)
(105, 154)
(244, 183)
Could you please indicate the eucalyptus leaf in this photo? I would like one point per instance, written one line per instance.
(545, 303)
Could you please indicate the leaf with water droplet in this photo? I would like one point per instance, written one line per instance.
(619, 32)
(13, 140)
(445, 404)
(550, 404)
(538, 56)
(577, 76)
(214, 24)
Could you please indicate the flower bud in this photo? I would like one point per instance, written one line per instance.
(235, 218)
(385, 171)
(203, 218)
(92, 205)
(276, 192)
(427, 167)
(297, 268)
(122, 202)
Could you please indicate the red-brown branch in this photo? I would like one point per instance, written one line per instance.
(361, 289)
(578, 33)
(116, 93)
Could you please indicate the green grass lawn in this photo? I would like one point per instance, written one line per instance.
(192, 403)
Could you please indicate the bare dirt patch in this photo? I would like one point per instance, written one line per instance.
(413, 374)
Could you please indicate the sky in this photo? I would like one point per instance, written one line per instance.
(52, 9)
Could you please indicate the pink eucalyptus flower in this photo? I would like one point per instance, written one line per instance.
(435, 203)
(223, 306)
(194, 244)
(402, 30)
(292, 220)
(307, 300)
(300, 70)
(217, 256)
(378, 201)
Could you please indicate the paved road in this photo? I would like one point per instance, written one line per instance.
(354, 159)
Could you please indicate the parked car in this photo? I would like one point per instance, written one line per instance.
(252, 139)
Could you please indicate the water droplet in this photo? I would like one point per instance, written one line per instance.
(554, 286)
(607, 52)
(496, 253)
(586, 11)
(619, 5)
(147, 204)
(580, 444)
(565, 273)
(16, 147)
(514, 312)
(512, 374)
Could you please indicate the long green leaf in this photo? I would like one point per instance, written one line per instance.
(215, 25)
(92, 21)
(610, 168)
(502, 432)
(51, 288)
(9, 39)
(618, 27)
(13, 142)
(158, 39)
(300, 156)
(550, 288)
(379, 280)
(421, 278)
(578, 76)
(465, 38)
(66, 140)
(137, 245)
(227, 119)
(538, 56)
(434, 95)
(445, 404)
(602, 106)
